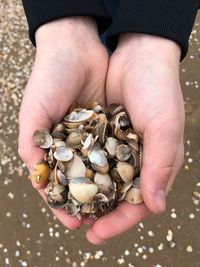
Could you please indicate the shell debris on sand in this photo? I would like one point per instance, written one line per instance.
(93, 160)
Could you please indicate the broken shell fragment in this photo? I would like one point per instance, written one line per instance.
(134, 196)
(40, 173)
(71, 208)
(82, 189)
(126, 171)
(63, 153)
(42, 139)
(56, 195)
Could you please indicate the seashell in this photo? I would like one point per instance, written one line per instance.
(87, 144)
(59, 143)
(123, 152)
(89, 174)
(59, 135)
(88, 208)
(98, 157)
(56, 195)
(111, 146)
(59, 128)
(48, 157)
(75, 138)
(113, 109)
(100, 197)
(75, 168)
(136, 182)
(63, 154)
(82, 189)
(60, 178)
(51, 176)
(79, 115)
(126, 171)
(101, 128)
(123, 190)
(115, 175)
(61, 165)
(42, 139)
(71, 208)
(134, 196)
(40, 173)
(103, 181)
(72, 126)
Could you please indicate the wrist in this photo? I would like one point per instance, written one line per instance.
(150, 45)
(61, 29)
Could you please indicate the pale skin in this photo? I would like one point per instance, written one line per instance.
(142, 74)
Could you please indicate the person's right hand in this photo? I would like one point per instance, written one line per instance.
(70, 65)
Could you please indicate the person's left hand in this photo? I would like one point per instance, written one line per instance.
(143, 76)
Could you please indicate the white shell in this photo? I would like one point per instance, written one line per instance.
(134, 196)
(104, 181)
(63, 153)
(79, 115)
(98, 157)
(83, 189)
(75, 168)
(111, 146)
(126, 171)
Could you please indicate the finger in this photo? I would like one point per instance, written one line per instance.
(70, 222)
(116, 222)
(162, 144)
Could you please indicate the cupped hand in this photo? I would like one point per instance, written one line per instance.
(70, 65)
(143, 76)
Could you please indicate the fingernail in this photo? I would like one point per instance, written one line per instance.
(161, 200)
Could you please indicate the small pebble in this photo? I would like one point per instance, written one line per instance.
(189, 249)
(191, 216)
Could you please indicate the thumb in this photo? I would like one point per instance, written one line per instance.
(31, 119)
(163, 155)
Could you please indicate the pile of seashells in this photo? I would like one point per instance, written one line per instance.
(93, 161)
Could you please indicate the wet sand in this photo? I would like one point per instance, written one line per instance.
(31, 236)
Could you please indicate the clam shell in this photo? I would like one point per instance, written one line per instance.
(75, 168)
(104, 181)
(71, 209)
(123, 152)
(61, 179)
(59, 143)
(98, 157)
(136, 182)
(83, 189)
(63, 154)
(42, 139)
(134, 196)
(111, 146)
(126, 171)
(79, 115)
(115, 175)
(74, 139)
(59, 128)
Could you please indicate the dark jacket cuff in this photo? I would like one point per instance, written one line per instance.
(39, 12)
(172, 19)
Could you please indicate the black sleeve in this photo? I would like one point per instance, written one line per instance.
(172, 19)
(39, 12)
